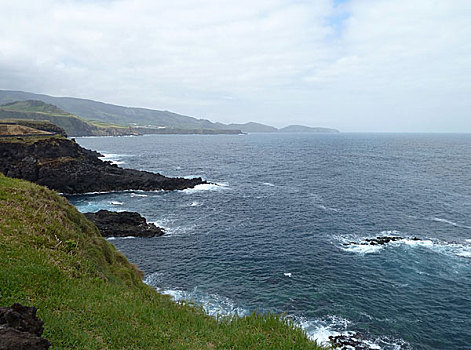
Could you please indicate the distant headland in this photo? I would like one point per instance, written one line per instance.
(82, 117)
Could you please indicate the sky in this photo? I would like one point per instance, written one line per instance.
(354, 65)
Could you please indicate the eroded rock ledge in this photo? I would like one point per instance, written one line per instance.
(20, 329)
(63, 165)
(123, 224)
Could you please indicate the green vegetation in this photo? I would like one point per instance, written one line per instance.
(34, 106)
(91, 297)
(28, 140)
(73, 125)
(43, 125)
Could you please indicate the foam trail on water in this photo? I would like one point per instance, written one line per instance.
(323, 207)
(171, 229)
(449, 222)
(113, 238)
(114, 158)
(138, 195)
(206, 187)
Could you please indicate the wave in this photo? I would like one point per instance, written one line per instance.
(171, 229)
(449, 222)
(138, 195)
(116, 203)
(113, 238)
(323, 207)
(368, 245)
(206, 187)
(319, 330)
(268, 184)
(114, 158)
(213, 304)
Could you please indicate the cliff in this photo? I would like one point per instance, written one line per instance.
(32, 110)
(63, 165)
(89, 295)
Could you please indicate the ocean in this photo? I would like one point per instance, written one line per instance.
(284, 224)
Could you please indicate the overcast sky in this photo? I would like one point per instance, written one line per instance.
(355, 65)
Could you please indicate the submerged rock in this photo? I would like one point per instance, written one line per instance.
(63, 165)
(349, 341)
(21, 329)
(123, 224)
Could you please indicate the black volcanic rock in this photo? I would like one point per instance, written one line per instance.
(123, 224)
(381, 240)
(63, 165)
(349, 341)
(21, 329)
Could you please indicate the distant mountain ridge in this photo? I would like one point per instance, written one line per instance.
(113, 114)
(253, 127)
(144, 120)
(302, 128)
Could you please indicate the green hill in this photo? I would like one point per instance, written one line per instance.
(302, 128)
(253, 127)
(113, 114)
(73, 125)
(34, 106)
(91, 297)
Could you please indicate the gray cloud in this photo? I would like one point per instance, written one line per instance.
(358, 65)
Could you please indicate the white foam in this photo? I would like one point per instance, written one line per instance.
(269, 184)
(468, 240)
(171, 229)
(195, 204)
(138, 195)
(213, 304)
(116, 203)
(323, 207)
(287, 274)
(464, 254)
(206, 187)
(114, 158)
(320, 330)
(449, 222)
(113, 238)
(441, 247)
(362, 249)
(414, 242)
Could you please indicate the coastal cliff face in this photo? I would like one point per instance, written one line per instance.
(63, 165)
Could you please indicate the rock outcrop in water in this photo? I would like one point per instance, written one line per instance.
(123, 224)
(20, 329)
(63, 165)
(381, 240)
(350, 341)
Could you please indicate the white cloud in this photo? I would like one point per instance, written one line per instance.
(362, 65)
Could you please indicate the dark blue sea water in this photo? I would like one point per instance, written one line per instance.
(270, 235)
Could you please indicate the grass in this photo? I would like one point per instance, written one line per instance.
(91, 297)
(72, 124)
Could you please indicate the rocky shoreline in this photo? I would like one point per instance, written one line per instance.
(64, 166)
(123, 224)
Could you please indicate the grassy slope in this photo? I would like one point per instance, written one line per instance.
(72, 124)
(91, 297)
(113, 114)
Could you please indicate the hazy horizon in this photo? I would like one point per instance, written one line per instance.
(353, 65)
